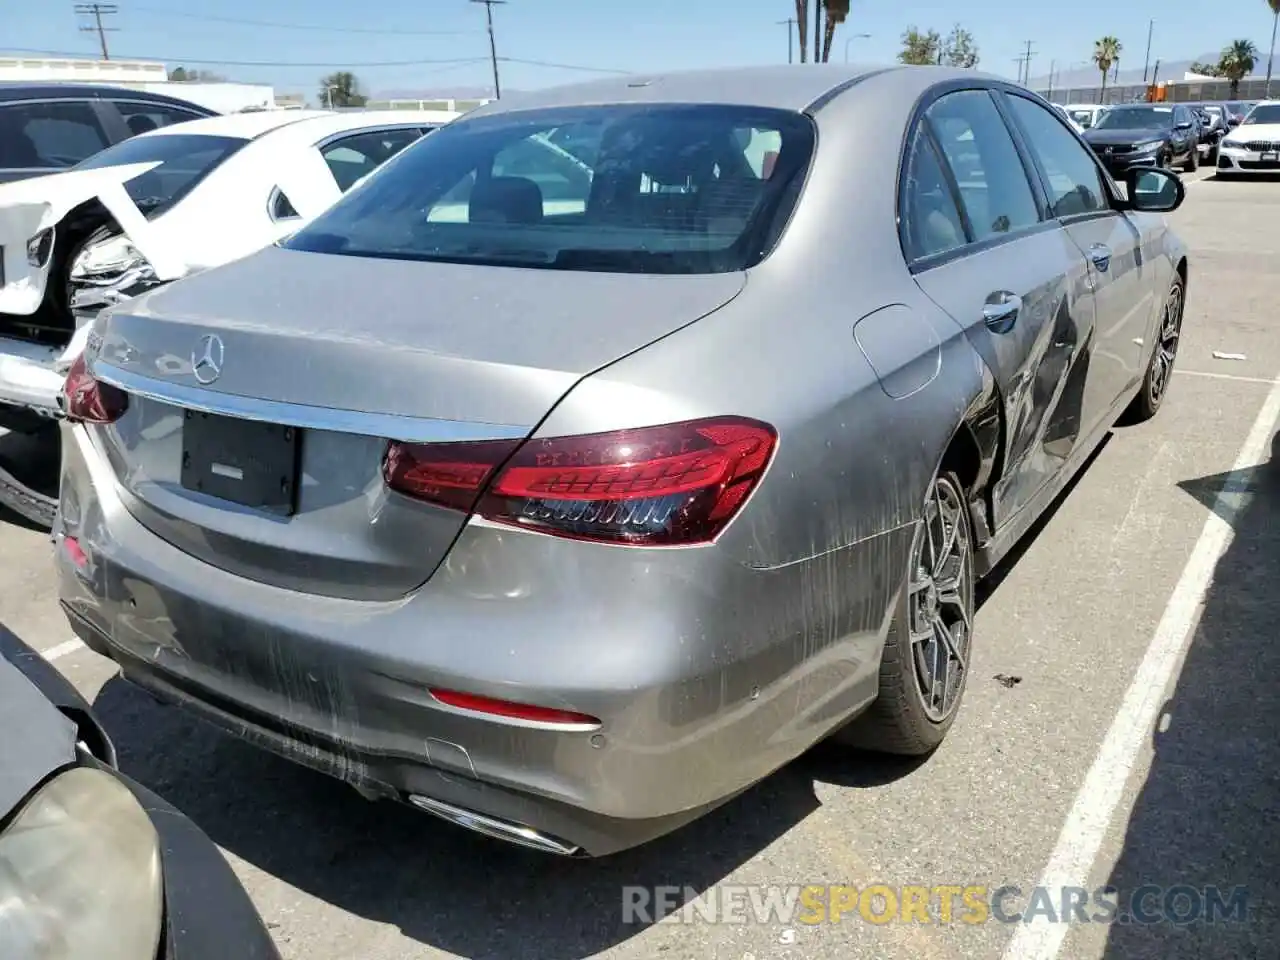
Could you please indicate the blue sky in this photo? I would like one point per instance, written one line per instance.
(653, 35)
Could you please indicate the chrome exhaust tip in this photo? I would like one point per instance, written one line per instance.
(495, 827)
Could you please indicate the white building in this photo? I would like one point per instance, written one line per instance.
(152, 75)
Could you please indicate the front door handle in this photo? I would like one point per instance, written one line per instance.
(1000, 312)
(1100, 254)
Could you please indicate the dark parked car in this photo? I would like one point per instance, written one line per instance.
(1213, 123)
(49, 127)
(1145, 135)
(87, 856)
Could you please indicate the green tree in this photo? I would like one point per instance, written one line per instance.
(1106, 52)
(959, 49)
(182, 74)
(920, 47)
(178, 75)
(1237, 61)
(1205, 69)
(837, 12)
(341, 89)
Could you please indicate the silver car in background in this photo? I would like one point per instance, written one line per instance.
(617, 443)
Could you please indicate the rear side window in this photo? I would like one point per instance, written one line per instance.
(931, 221)
(628, 188)
(141, 117)
(359, 155)
(978, 147)
(182, 161)
(52, 136)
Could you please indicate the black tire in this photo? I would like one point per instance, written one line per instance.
(1155, 382)
(1192, 163)
(899, 721)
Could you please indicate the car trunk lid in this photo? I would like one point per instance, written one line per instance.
(349, 353)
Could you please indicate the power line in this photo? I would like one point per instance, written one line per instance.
(302, 26)
(258, 63)
(98, 11)
(493, 47)
(563, 66)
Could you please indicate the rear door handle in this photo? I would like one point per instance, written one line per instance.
(1100, 254)
(1000, 312)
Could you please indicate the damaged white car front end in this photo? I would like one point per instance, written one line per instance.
(104, 272)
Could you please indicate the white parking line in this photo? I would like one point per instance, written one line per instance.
(62, 649)
(1095, 805)
(1223, 376)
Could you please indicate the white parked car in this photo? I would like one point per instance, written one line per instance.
(1254, 145)
(1075, 125)
(158, 207)
(1086, 114)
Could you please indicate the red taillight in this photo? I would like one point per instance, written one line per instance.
(86, 400)
(670, 485)
(516, 711)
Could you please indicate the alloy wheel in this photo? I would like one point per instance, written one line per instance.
(940, 601)
(1166, 345)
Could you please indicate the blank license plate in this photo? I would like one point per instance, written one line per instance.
(243, 461)
(1271, 156)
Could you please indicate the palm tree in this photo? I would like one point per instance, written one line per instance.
(802, 28)
(1238, 60)
(837, 13)
(1275, 19)
(341, 89)
(1106, 52)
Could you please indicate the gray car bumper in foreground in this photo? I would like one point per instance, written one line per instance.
(706, 675)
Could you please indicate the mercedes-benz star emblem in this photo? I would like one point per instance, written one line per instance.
(206, 359)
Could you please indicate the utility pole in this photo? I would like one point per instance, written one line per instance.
(493, 47)
(818, 8)
(1275, 21)
(98, 11)
(790, 22)
(1146, 64)
(1026, 77)
(1052, 64)
(1019, 62)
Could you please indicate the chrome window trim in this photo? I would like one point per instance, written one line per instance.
(305, 416)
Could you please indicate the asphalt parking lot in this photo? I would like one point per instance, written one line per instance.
(1116, 729)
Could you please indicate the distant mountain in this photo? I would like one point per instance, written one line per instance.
(434, 93)
(1170, 70)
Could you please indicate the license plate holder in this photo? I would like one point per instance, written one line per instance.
(246, 462)
(1270, 155)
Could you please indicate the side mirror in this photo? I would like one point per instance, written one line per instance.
(1154, 191)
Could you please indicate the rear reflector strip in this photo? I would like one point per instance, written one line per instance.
(515, 711)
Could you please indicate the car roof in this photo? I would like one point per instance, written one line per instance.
(306, 122)
(787, 87)
(11, 91)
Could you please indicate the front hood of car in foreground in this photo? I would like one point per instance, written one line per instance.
(28, 207)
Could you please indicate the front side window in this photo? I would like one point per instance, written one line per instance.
(182, 161)
(622, 188)
(358, 155)
(1074, 184)
(977, 145)
(50, 136)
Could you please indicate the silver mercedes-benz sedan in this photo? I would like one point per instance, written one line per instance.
(613, 445)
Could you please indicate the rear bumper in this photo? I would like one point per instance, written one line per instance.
(29, 377)
(706, 675)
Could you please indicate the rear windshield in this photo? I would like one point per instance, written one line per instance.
(183, 160)
(624, 189)
(1264, 113)
(1135, 118)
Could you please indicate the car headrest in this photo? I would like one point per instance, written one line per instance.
(506, 200)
